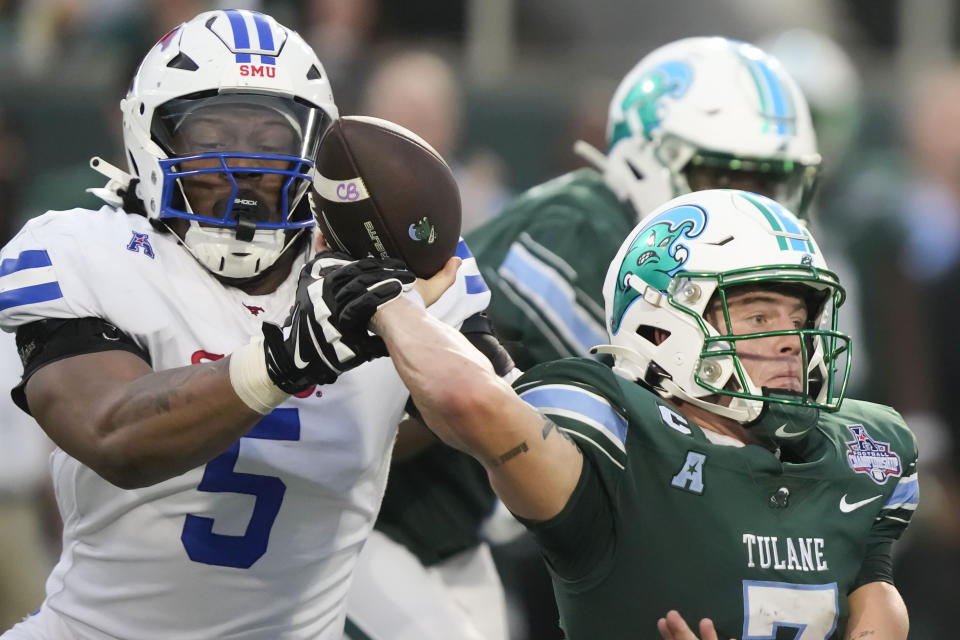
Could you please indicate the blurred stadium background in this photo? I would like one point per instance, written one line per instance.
(503, 88)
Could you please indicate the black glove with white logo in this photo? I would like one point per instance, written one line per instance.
(327, 333)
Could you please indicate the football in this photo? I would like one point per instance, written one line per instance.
(380, 190)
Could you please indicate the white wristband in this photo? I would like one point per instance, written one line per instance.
(248, 375)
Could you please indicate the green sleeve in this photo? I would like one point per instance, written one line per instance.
(579, 540)
(547, 288)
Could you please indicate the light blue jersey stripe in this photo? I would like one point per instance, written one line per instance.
(535, 277)
(906, 495)
(30, 259)
(30, 295)
(572, 400)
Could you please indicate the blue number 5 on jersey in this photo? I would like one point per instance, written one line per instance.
(241, 552)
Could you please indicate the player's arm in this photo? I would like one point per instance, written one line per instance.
(532, 467)
(413, 436)
(136, 427)
(877, 612)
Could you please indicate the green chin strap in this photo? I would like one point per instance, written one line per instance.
(782, 424)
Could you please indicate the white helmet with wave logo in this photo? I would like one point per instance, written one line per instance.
(681, 262)
(706, 113)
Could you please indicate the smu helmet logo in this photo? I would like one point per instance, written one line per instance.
(656, 254)
(248, 34)
(866, 455)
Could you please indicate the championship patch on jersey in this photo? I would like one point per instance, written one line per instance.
(866, 455)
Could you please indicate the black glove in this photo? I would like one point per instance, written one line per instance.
(327, 334)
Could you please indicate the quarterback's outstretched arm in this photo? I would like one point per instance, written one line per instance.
(532, 466)
(133, 426)
(877, 612)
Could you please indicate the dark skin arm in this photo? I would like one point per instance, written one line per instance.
(136, 427)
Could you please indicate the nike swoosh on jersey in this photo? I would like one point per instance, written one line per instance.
(847, 507)
(783, 433)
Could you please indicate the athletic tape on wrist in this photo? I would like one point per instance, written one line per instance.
(248, 376)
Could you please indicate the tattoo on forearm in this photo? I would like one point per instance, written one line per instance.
(177, 388)
(549, 425)
(161, 401)
(863, 634)
(513, 453)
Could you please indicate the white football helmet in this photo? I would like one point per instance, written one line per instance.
(685, 257)
(228, 108)
(709, 113)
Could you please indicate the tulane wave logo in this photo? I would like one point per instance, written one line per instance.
(422, 230)
(656, 254)
(668, 79)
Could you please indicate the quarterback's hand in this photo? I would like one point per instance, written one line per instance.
(433, 287)
(327, 330)
(674, 627)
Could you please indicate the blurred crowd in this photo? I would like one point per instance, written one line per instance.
(502, 91)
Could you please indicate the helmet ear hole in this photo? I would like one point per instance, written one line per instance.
(653, 335)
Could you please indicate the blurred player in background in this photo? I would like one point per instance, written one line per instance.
(25, 490)
(25, 499)
(712, 471)
(694, 114)
(420, 90)
(217, 474)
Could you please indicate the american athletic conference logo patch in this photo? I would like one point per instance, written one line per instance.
(866, 455)
(140, 242)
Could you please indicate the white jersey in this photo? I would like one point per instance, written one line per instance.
(261, 541)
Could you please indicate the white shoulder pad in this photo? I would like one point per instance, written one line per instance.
(467, 296)
(45, 269)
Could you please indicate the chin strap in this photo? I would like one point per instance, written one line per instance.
(591, 154)
(114, 193)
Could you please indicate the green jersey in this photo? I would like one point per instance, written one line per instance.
(545, 258)
(668, 516)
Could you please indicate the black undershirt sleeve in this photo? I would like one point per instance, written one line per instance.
(44, 341)
(877, 565)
